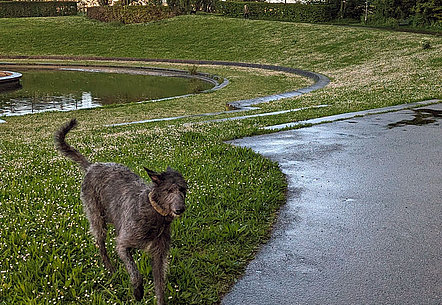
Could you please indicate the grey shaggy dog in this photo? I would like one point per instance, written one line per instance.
(141, 213)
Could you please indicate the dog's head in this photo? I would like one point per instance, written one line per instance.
(169, 192)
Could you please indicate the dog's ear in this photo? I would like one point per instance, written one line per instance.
(153, 175)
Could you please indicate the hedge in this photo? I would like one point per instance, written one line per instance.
(12, 9)
(129, 14)
(297, 12)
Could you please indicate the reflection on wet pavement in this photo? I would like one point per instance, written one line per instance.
(421, 117)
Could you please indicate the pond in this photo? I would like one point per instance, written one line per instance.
(66, 89)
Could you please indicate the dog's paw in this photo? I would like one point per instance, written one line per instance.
(139, 292)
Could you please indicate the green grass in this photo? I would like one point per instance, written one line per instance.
(45, 233)
(46, 253)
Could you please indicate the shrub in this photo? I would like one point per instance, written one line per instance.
(393, 13)
(428, 12)
(200, 5)
(425, 44)
(10, 9)
(129, 14)
(297, 12)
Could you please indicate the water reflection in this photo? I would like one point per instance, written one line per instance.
(56, 90)
(21, 106)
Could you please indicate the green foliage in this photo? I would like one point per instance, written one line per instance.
(428, 12)
(296, 12)
(12, 9)
(393, 13)
(349, 9)
(130, 14)
(188, 5)
(182, 5)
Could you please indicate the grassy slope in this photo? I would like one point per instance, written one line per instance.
(382, 67)
(46, 255)
(192, 37)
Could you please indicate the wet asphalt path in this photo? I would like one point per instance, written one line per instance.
(363, 219)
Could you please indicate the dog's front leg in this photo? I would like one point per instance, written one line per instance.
(159, 267)
(131, 267)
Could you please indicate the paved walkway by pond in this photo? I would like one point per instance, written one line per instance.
(363, 219)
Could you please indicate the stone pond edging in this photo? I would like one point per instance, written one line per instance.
(9, 80)
(320, 81)
(215, 80)
(10, 77)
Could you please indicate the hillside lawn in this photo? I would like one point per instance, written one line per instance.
(47, 255)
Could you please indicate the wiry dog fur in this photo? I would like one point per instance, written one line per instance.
(141, 213)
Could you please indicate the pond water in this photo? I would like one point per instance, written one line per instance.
(62, 90)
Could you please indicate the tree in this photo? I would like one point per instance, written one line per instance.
(427, 12)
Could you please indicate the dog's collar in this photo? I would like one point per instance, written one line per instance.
(156, 206)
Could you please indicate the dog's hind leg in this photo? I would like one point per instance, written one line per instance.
(101, 238)
(98, 228)
(135, 275)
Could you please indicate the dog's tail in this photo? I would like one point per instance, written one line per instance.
(67, 150)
